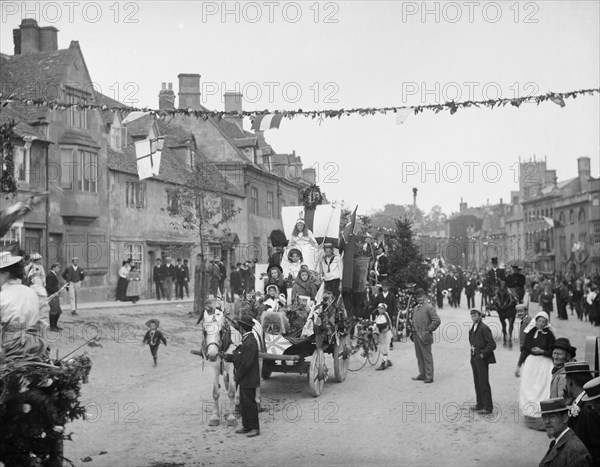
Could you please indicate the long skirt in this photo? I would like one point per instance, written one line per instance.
(536, 376)
(122, 289)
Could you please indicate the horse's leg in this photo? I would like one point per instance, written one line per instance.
(230, 385)
(215, 419)
(511, 327)
(503, 322)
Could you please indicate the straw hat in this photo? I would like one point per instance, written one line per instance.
(7, 259)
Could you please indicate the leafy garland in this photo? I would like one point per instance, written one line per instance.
(317, 197)
(556, 97)
(8, 183)
(36, 401)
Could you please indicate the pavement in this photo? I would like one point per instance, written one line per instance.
(114, 303)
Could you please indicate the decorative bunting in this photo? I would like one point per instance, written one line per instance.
(267, 122)
(276, 116)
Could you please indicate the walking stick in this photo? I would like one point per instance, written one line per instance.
(56, 293)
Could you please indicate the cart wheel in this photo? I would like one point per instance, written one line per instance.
(357, 358)
(318, 372)
(341, 358)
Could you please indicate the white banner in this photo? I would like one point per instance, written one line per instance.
(327, 221)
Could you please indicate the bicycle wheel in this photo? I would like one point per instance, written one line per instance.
(373, 353)
(357, 357)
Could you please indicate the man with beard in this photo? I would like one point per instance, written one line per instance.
(566, 449)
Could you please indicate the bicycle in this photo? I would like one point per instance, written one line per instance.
(364, 346)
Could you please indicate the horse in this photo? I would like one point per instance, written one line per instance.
(218, 338)
(505, 302)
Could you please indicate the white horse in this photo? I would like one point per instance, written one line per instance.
(219, 337)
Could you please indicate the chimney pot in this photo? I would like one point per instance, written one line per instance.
(233, 103)
(170, 86)
(48, 39)
(164, 86)
(166, 98)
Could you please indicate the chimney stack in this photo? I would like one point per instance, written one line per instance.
(233, 103)
(415, 197)
(463, 206)
(189, 91)
(585, 172)
(166, 97)
(30, 38)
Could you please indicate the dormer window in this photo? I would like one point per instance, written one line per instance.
(118, 137)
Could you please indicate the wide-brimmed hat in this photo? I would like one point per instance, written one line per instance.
(7, 259)
(577, 367)
(246, 322)
(35, 256)
(419, 292)
(153, 320)
(475, 310)
(382, 305)
(592, 389)
(555, 405)
(564, 344)
(269, 287)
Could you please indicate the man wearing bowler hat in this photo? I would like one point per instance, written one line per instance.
(562, 352)
(247, 376)
(425, 322)
(566, 449)
(482, 355)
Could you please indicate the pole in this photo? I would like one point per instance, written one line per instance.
(47, 233)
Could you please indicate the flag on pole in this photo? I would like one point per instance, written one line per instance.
(402, 115)
(267, 122)
(148, 154)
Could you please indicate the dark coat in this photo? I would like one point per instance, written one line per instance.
(237, 284)
(182, 272)
(169, 271)
(382, 265)
(52, 285)
(390, 301)
(544, 341)
(158, 274)
(569, 451)
(494, 276)
(158, 338)
(586, 426)
(483, 342)
(70, 275)
(245, 361)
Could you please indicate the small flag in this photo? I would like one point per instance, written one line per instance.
(276, 343)
(558, 100)
(402, 115)
(148, 153)
(266, 122)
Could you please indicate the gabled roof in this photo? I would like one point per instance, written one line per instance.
(548, 189)
(141, 126)
(20, 114)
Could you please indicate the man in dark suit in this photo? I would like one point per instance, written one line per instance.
(170, 275)
(495, 274)
(235, 280)
(247, 376)
(482, 354)
(186, 277)
(381, 264)
(74, 275)
(425, 322)
(566, 448)
(590, 419)
(223, 275)
(53, 286)
(158, 276)
(179, 279)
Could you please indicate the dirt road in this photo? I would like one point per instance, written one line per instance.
(144, 416)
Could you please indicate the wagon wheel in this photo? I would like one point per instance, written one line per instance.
(357, 358)
(341, 358)
(317, 373)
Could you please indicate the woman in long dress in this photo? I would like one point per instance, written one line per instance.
(134, 285)
(304, 240)
(535, 368)
(122, 282)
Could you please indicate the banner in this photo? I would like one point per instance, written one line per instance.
(361, 270)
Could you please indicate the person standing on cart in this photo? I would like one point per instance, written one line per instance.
(331, 272)
(247, 376)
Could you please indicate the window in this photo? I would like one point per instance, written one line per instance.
(118, 137)
(254, 200)
(192, 158)
(66, 168)
(270, 204)
(135, 194)
(172, 202)
(562, 244)
(571, 217)
(13, 235)
(75, 117)
(134, 251)
(22, 162)
(582, 238)
(572, 240)
(596, 233)
(88, 171)
(227, 208)
(561, 218)
(581, 215)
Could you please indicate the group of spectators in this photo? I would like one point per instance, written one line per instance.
(167, 274)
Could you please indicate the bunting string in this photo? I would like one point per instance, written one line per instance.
(558, 98)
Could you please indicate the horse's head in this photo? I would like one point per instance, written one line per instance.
(212, 330)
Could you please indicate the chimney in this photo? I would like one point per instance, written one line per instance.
(415, 197)
(189, 91)
(29, 37)
(166, 97)
(585, 172)
(48, 39)
(233, 103)
(463, 206)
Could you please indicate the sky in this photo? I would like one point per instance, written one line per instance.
(331, 55)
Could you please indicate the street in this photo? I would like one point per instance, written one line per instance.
(140, 415)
